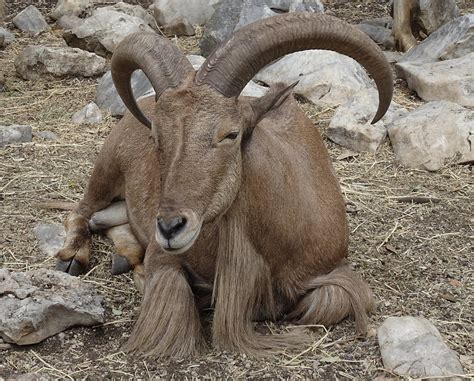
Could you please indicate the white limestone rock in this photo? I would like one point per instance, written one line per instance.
(89, 114)
(432, 135)
(71, 8)
(104, 30)
(30, 20)
(326, 78)
(413, 347)
(351, 125)
(452, 40)
(35, 61)
(451, 80)
(14, 134)
(35, 305)
(50, 237)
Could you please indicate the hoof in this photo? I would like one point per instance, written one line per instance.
(120, 265)
(72, 267)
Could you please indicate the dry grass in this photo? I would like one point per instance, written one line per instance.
(417, 257)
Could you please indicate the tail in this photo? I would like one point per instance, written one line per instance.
(333, 297)
(62, 205)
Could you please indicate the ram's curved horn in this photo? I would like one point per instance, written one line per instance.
(161, 61)
(234, 63)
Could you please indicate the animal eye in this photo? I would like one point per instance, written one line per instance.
(232, 135)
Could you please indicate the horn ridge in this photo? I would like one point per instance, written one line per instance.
(236, 61)
(161, 61)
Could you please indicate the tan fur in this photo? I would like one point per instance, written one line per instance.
(402, 30)
(273, 219)
(168, 324)
(335, 296)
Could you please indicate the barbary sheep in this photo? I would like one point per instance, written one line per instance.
(232, 201)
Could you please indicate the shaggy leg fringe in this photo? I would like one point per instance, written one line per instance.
(333, 297)
(169, 324)
(242, 291)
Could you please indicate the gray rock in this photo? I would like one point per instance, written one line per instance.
(197, 12)
(35, 61)
(232, 15)
(350, 126)
(30, 20)
(413, 347)
(129, 9)
(433, 134)
(104, 30)
(326, 78)
(107, 97)
(179, 27)
(50, 237)
(89, 114)
(432, 14)
(67, 22)
(254, 90)
(6, 36)
(35, 305)
(195, 60)
(46, 135)
(71, 8)
(380, 35)
(450, 41)
(451, 80)
(14, 134)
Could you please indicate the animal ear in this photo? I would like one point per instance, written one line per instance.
(270, 101)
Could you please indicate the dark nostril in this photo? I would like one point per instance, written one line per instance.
(170, 226)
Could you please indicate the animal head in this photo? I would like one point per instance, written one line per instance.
(200, 125)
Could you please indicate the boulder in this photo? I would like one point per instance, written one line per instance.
(71, 8)
(327, 78)
(179, 27)
(197, 12)
(452, 40)
(381, 35)
(104, 30)
(432, 14)
(413, 347)
(35, 61)
(351, 125)
(14, 134)
(129, 9)
(50, 237)
(30, 20)
(432, 135)
(35, 305)
(67, 22)
(254, 90)
(451, 80)
(107, 97)
(6, 36)
(89, 114)
(232, 15)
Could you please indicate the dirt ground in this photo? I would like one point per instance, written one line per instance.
(417, 257)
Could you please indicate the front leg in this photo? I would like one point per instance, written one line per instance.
(104, 185)
(169, 324)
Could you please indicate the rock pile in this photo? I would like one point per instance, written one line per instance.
(440, 69)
